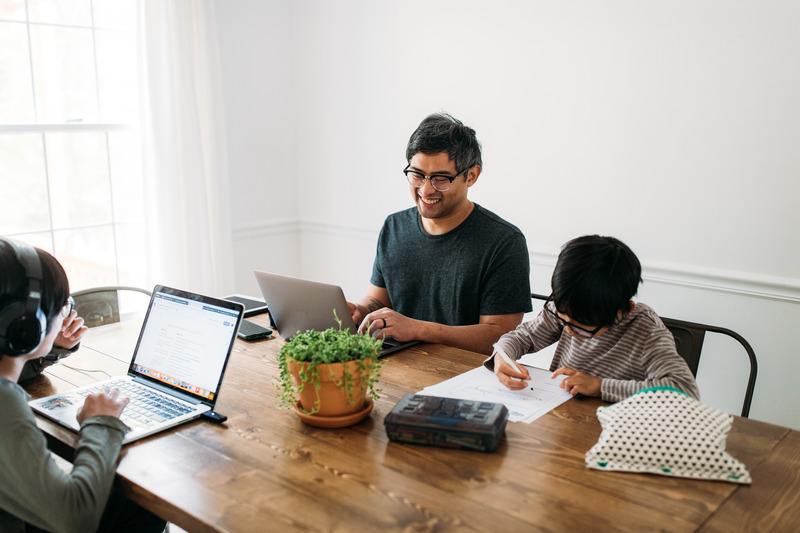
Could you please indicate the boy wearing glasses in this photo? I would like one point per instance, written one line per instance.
(66, 343)
(446, 270)
(608, 346)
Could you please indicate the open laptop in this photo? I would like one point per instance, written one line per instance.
(299, 305)
(176, 370)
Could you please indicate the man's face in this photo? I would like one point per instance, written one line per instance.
(434, 204)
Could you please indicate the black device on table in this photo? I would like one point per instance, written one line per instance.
(250, 331)
(448, 422)
(252, 306)
(214, 417)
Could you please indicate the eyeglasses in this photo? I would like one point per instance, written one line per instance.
(440, 182)
(581, 332)
(68, 307)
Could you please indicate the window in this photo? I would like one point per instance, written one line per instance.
(70, 150)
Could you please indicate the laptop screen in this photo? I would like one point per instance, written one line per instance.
(185, 342)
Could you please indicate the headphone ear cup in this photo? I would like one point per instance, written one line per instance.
(21, 333)
(23, 325)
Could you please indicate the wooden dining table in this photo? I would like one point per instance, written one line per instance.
(266, 470)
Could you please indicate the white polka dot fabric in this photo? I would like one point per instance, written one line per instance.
(665, 431)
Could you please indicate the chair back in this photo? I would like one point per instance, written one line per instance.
(100, 305)
(689, 337)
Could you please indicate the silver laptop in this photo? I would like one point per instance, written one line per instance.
(299, 305)
(176, 370)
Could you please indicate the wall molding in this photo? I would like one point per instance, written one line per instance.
(719, 280)
(265, 229)
(682, 275)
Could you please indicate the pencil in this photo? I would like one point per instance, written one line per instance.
(506, 358)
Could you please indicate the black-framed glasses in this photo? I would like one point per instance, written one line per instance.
(582, 332)
(68, 307)
(440, 182)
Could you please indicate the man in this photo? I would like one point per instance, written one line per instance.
(446, 271)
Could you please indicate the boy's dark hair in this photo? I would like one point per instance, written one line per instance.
(594, 279)
(14, 282)
(440, 133)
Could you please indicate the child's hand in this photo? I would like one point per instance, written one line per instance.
(578, 382)
(104, 402)
(72, 331)
(508, 376)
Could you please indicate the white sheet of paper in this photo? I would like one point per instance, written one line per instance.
(540, 396)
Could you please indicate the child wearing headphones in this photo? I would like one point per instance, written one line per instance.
(35, 494)
(608, 346)
(65, 344)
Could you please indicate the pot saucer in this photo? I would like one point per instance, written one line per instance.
(335, 421)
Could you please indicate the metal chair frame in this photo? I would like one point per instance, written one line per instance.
(100, 305)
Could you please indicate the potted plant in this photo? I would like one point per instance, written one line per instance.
(329, 377)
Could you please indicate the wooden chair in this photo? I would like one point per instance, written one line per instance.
(100, 305)
(689, 337)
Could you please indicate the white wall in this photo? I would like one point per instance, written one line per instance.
(671, 125)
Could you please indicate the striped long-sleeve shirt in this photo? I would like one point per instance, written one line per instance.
(637, 352)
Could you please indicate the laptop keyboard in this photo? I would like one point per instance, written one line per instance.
(147, 407)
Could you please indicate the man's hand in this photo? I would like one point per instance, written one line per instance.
(376, 298)
(578, 382)
(508, 376)
(104, 402)
(72, 331)
(390, 323)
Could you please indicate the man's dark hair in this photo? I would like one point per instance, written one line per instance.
(440, 133)
(594, 279)
(14, 283)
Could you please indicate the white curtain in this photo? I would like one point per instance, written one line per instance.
(186, 185)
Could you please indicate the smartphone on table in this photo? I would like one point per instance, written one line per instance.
(250, 331)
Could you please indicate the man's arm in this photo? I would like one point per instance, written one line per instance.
(476, 337)
(376, 298)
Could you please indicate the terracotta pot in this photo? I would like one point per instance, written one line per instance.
(333, 401)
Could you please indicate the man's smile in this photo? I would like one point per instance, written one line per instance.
(430, 201)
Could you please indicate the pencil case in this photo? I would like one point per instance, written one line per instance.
(447, 422)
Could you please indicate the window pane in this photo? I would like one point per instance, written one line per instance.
(125, 152)
(118, 14)
(23, 201)
(77, 12)
(87, 255)
(12, 10)
(41, 240)
(80, 190)
(16, 96)
(64, 74)
(132, 254)
(118, 82)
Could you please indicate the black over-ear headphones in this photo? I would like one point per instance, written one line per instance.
(22, 323)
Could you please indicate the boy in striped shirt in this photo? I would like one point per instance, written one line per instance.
(608, 346)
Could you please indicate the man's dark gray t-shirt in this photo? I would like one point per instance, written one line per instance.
(479, 268)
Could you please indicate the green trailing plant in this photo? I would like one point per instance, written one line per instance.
(333, 345)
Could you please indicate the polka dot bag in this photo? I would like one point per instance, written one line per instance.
(664, 431)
